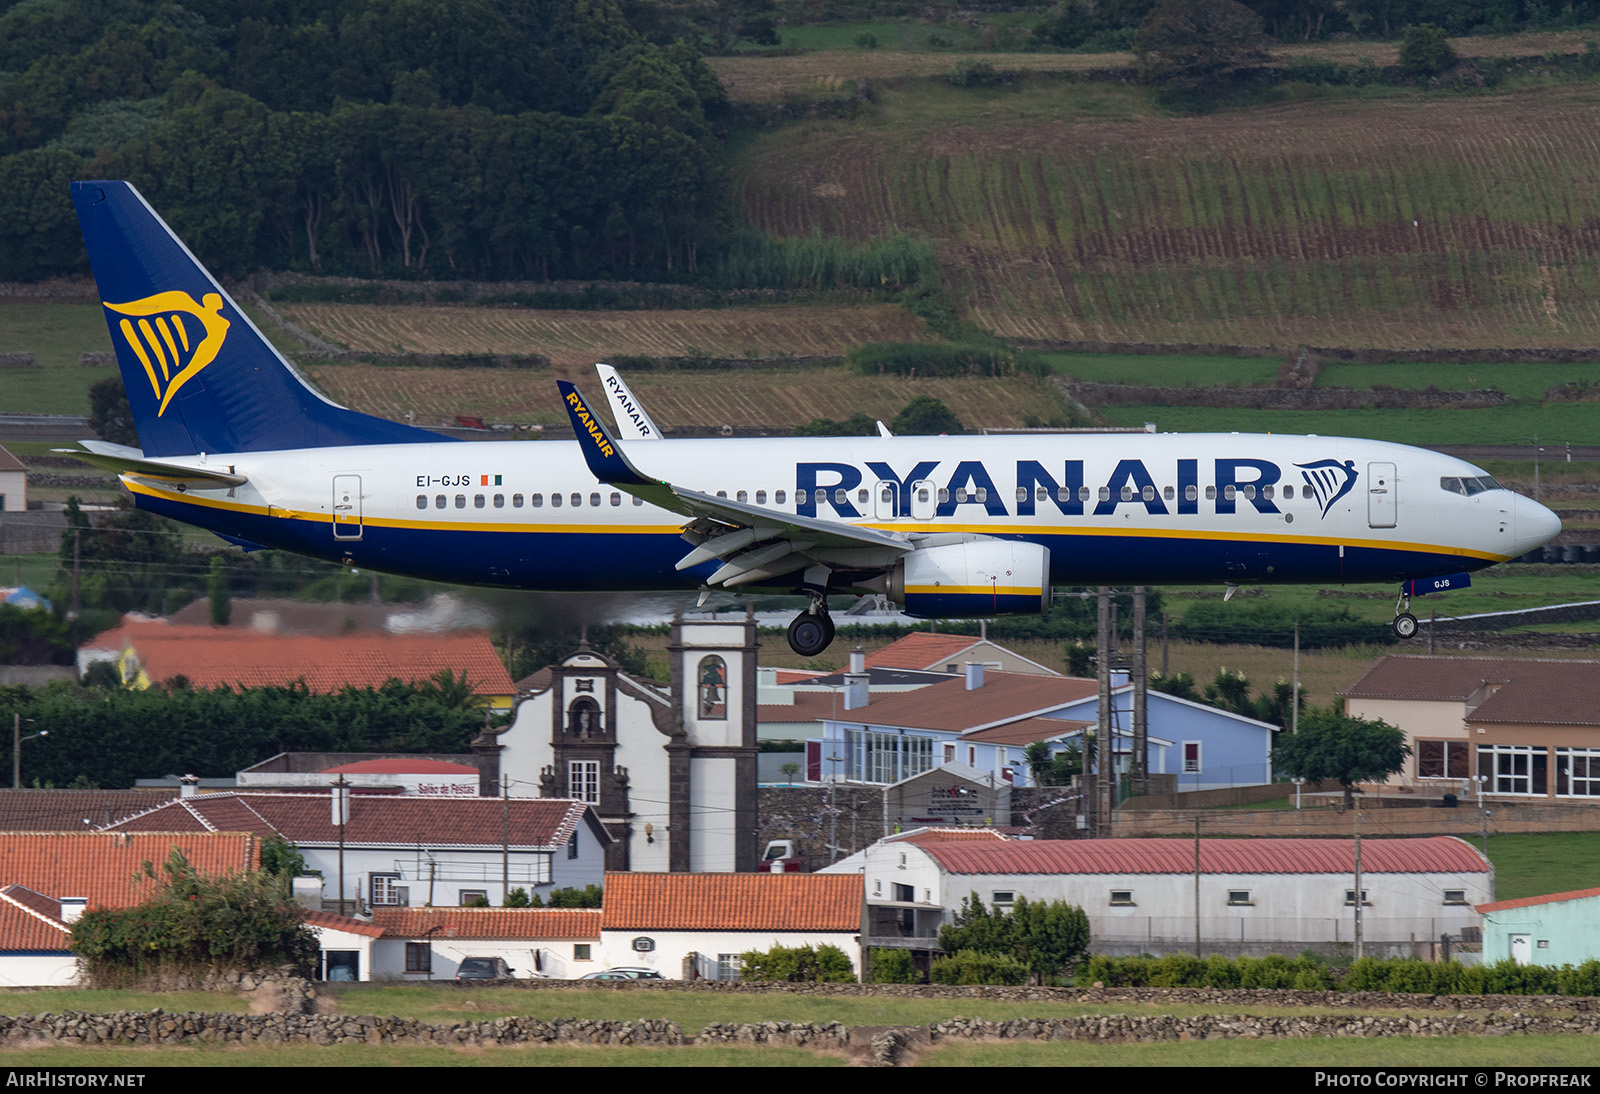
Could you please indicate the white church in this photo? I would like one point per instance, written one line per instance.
(671, 771)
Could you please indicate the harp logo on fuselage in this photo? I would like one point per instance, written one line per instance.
(173, 337)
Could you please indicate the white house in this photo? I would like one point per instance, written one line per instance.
(536, 943)
(695, 926)
(1146, 895)
(670, 770)
(406, 851)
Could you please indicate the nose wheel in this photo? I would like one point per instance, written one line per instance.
(812, 630)
(1405, 624)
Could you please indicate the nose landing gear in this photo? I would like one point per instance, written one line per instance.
(1405, 624)
(812, 630)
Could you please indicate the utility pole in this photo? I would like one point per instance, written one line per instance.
(505, 838)
(1294, 715)
(1358, 881)
(1102, 744)
(1141, 683)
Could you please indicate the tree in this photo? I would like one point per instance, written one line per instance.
(193, 925)
(1425, 51)
(1043, 937)
(925, 416)
(1199, 47)
(1331, 745)
(110, 416)
(217, 592)
(827, 964)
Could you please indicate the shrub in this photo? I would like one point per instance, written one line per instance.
(1425, 51)
(799, 964)
(894, 967)
(971, 967)
(193, 925)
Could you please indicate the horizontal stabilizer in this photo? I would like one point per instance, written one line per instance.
(130, 461)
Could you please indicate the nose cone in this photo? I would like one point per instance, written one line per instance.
(1532, 525)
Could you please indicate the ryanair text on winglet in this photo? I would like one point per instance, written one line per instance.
(589, 424)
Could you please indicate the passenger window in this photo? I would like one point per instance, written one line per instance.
(616, 499)
(944, 494)
(961, 493)
(438, 501)
(982, 493)
(1127, 493)
(1250, 491)
(799, 497)
(841, 497)
(461, 501)
(536, 501)
(1211, 493)
(499, 501)
(1022, 493)
(922, 494)
(577, 500)
(422, 501)
(1230, 492)
(1190, 493)
(1288, 492)
(1148, 493)
(1105, 493)
(722, 493)
(1169, 493)
(555, 501)
(861, 496)
(741, 496)
(516, 501)
(477, 501)
(1268, 492)
(761, 497)
(1064, 494)
(778, 498)
(1083, 493)
(594, 500)
(638, 501)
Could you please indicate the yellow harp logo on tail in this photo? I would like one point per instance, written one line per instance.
(173, 337)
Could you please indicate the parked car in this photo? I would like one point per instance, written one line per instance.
(484, 968)
(626, 973)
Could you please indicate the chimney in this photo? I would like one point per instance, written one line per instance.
(72, 908)
(974, 675)
(188, 786)
(856, 691)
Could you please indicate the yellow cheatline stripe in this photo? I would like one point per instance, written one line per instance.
(673, 529)
(149, 490)
(1171, 533)
(976, 590)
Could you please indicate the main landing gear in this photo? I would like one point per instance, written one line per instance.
(1405, 624)
(812, 630)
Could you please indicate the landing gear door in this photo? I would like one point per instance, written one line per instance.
(1380, 495)
(924, 499)
(347, 507)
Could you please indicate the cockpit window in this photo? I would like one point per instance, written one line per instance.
(1468, 486)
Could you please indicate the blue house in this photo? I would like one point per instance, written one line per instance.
(1557, 929)
(987, 720)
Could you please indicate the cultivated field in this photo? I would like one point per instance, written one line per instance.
(906, 53)
(577, 339)
(771, 401)
(1405, 221)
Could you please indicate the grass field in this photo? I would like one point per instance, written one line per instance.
(1531, 865)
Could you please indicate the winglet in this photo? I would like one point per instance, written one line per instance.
(633, 424)
(606, 461)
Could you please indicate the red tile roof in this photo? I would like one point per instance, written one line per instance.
(733, 902)
(216, 656)
(1026, 731)
(341, 923)
(66, 810)
(1004, 697)
(808, 706)
(1434, 854)
(375, 821)
(1534, 901)
(31, 921)
(98, 866)
(921, 650)
(536, 923)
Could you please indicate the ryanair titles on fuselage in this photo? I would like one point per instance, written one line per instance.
(831, 486)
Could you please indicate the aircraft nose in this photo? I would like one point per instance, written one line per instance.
(1533, 526)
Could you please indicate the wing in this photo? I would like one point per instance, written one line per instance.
(752, 542)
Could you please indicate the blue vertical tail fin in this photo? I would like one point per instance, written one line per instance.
(200, 376)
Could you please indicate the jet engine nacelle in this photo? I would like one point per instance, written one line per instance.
(979, 577)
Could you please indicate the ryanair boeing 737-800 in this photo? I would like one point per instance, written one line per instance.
(234, 441)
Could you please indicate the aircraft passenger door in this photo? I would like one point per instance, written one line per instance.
(347, 507)
(886, 501)
(1380, 495)
(924, 500)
